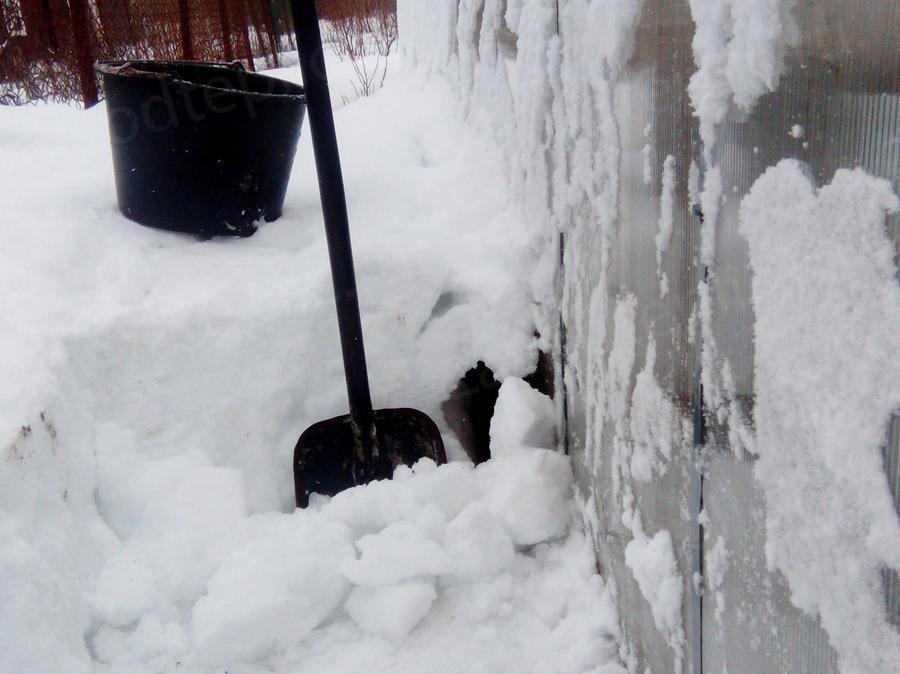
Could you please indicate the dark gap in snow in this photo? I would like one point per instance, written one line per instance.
(469, 409)
(446, 301)
(543, 377)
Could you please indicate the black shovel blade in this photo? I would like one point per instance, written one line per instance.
(323, 457)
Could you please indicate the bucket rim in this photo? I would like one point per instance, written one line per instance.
(117, 67)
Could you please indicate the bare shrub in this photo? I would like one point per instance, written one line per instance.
(363, 32)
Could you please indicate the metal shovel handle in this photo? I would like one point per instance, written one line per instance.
(337, 228)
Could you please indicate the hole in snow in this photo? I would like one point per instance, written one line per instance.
(470, 407)
(444, 303)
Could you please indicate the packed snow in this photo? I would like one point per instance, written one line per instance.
(522, 416)
(155, 386)
(652, 561)
(827, 335)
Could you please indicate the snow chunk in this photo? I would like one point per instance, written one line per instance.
(399, 552)
(522, 416)
(449, 488)
(126, 589)
(653, 416)
(393, 611)
(272, 591)
(827, 380)
(152, 643)
(371, 509)
(146, 498)
(652, 562)
(529, 494)
(478, 546)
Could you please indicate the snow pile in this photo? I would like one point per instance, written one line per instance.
(156, 385)
(827, 334)
(385, 554)
(437, 557)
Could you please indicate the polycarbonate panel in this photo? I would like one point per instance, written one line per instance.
(749, 624)
(892, 466)
(841, 87)
(654, 122)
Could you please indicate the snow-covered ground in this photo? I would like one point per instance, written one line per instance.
(154, 387)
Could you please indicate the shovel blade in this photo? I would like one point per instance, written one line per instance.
(323, 457)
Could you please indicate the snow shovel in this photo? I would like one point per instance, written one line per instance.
(366, 444)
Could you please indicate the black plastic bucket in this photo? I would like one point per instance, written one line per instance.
(203, 148)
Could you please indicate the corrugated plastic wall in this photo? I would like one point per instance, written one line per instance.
(630, 303)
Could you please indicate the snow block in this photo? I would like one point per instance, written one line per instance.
(528, 493)
(522, 416)
(273, 591)
(449, 488)
(393, 611)
(125, 591)
(478, 546)
(400, 552)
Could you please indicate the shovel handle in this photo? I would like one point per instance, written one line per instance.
(337, 227)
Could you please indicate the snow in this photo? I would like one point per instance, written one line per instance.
(652, 561)
(392, 611)
(739, 48)
(653, 416)
(522, 416)
(272, 590)
(530, 494)
(400, 551)
(156, 385)
(827, 380)
(666, 219)
(716, 566)
(478, 546)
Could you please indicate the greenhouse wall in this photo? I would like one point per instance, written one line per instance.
(717, 181)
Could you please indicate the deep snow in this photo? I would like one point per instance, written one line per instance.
(154, 387)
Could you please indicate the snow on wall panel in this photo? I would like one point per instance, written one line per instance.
(835, 107)
(639, 466)
(891, 578)
(749, 623)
